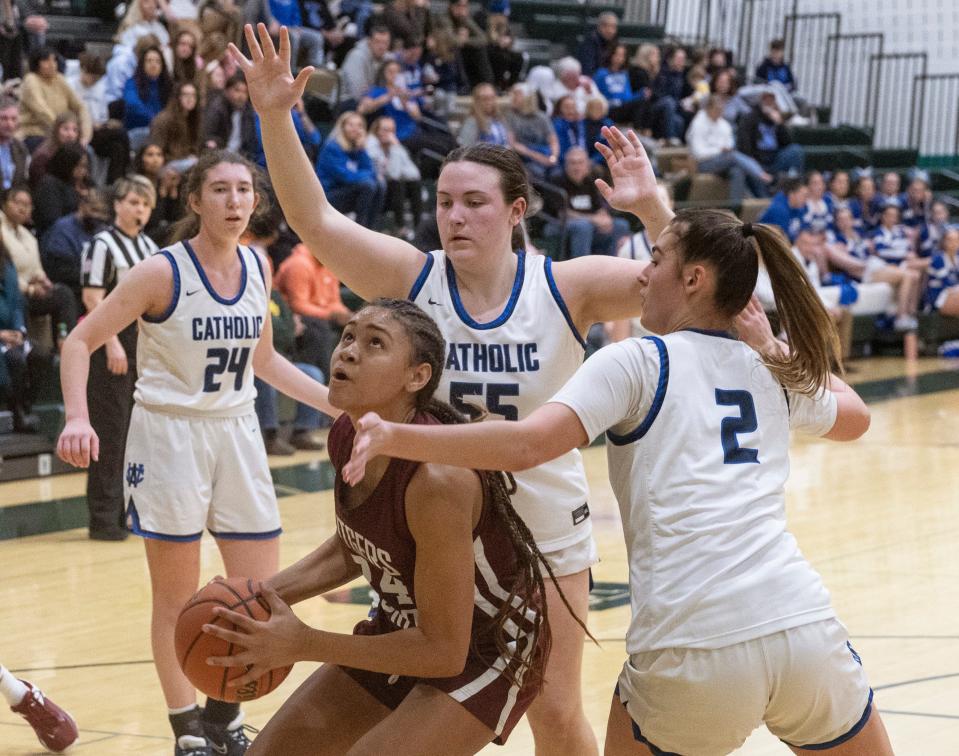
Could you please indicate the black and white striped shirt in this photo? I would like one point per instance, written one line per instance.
(110, 254)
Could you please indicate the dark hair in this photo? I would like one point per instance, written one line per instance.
(40, 54)
(381, 71)
(164, 82)
(528, 591)
(513, 180)
(777, 44)
(378, 28)
(15, 189)
(6, 101)
(138, 159)
(719, 239)
(64, 160)
(558, 105)
(791, 184)
(185, 69)
(182, 126)
(237, 78)
(189, 225)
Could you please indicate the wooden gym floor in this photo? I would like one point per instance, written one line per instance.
(878, 518)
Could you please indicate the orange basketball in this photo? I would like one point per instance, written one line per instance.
(194, 647)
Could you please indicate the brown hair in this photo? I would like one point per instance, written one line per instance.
(528, 591)
(513, 180)
(189, 225)
(733, 250)
(139, 185)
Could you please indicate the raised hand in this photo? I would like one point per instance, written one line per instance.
(269, 79)
(372, 433)
(634, 183)
(78, 443)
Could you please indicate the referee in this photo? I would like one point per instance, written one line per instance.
(106, 259)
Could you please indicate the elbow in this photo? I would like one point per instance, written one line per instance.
(861, 423)
(448, 662)
(527, 455)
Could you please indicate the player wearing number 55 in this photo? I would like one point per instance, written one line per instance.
(697, 424)
(194, 456)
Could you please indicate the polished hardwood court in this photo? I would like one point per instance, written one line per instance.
(879, 518)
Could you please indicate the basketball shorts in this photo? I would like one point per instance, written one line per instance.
(572, 559)
(186, 473)
(481, 688)
(806, 684)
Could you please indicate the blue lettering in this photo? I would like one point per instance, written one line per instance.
(529, 357)
(480, 358)
(496, 357)
(197, 326)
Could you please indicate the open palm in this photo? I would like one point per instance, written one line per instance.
(634, 182)
(269, 79)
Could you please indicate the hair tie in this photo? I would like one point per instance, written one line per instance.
(747, 230)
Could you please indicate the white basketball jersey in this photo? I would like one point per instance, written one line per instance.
(197, 358)
(511, 365)
(698, 459)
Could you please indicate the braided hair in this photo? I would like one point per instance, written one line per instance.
(528, 592)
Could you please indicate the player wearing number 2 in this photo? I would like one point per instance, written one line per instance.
(513, 323)
(731, 627)
(194, 456)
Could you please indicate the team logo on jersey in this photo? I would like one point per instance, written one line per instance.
(134, 474)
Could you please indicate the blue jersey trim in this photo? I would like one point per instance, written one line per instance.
(421, 278)
(643, 428)
(842, 738)
(248, 536)
(206, 282)
(134, 527)
(176, 292)
(708, 332)
(510, 305)
(259, 267)
(554, 290)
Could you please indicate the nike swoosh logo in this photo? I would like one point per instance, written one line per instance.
(190, 294)
(430, 300)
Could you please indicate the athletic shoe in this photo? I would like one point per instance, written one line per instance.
(190, 745)
(277, 447)
(53, 726)
(228, 740)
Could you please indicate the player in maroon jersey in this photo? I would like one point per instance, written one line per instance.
(453, 653)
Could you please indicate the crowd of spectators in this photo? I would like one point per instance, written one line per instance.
(168, 90)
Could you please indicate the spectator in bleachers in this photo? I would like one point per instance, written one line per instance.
(19, 22)
(890, 193)
(142, 18)
(787, 207)
(838, 195)
(177, 128)
(505, 62)
(711, 145)
(590, 227)
(598, 45)
(186, 57)
(359, 70)
(61, 247)
(670, 88)
(470, 40)
(310, 136)
(339, 32)
(222, 17)
(14, 155)
(306, 43)
(151, 164)
(229, 121)
(397, 173)
(407, 20)
(109, 141)
(613, 81)
(917, 201)
(347, 174)
(863, 204)
(484, 123)
(717, 60)
(218, 65)
(569, 126)
(942, 290)
(43, 296)
(775, 68)
(65, 130)
(411, 69)
(58, 192)
(145, 95)
(819, 210)
(596, 118)
(851, 253)
(893, 242)
(809, 248)
(569, 82)
(533, 135)
(111, 254)
(442, 69)
(390, 97)
(931, 232)
(15, 361)
(123, 63)
(313, 293)
(44, 95)
(643, 70)
(762, 134)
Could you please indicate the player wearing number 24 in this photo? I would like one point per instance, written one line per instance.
(194, 450)
(697, 423)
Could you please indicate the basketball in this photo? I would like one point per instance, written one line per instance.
(194, 647)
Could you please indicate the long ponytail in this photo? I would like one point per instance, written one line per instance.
(810, 330)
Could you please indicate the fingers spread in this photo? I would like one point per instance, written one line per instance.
(266, 41)
(604, 188)
(256, 54)
(240, 58)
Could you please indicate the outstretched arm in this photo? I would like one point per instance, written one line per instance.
(547, 433)
(371, 264)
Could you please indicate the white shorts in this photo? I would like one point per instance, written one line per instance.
(574, 558)
(806, 684)
(873, 265)
(184, 473)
